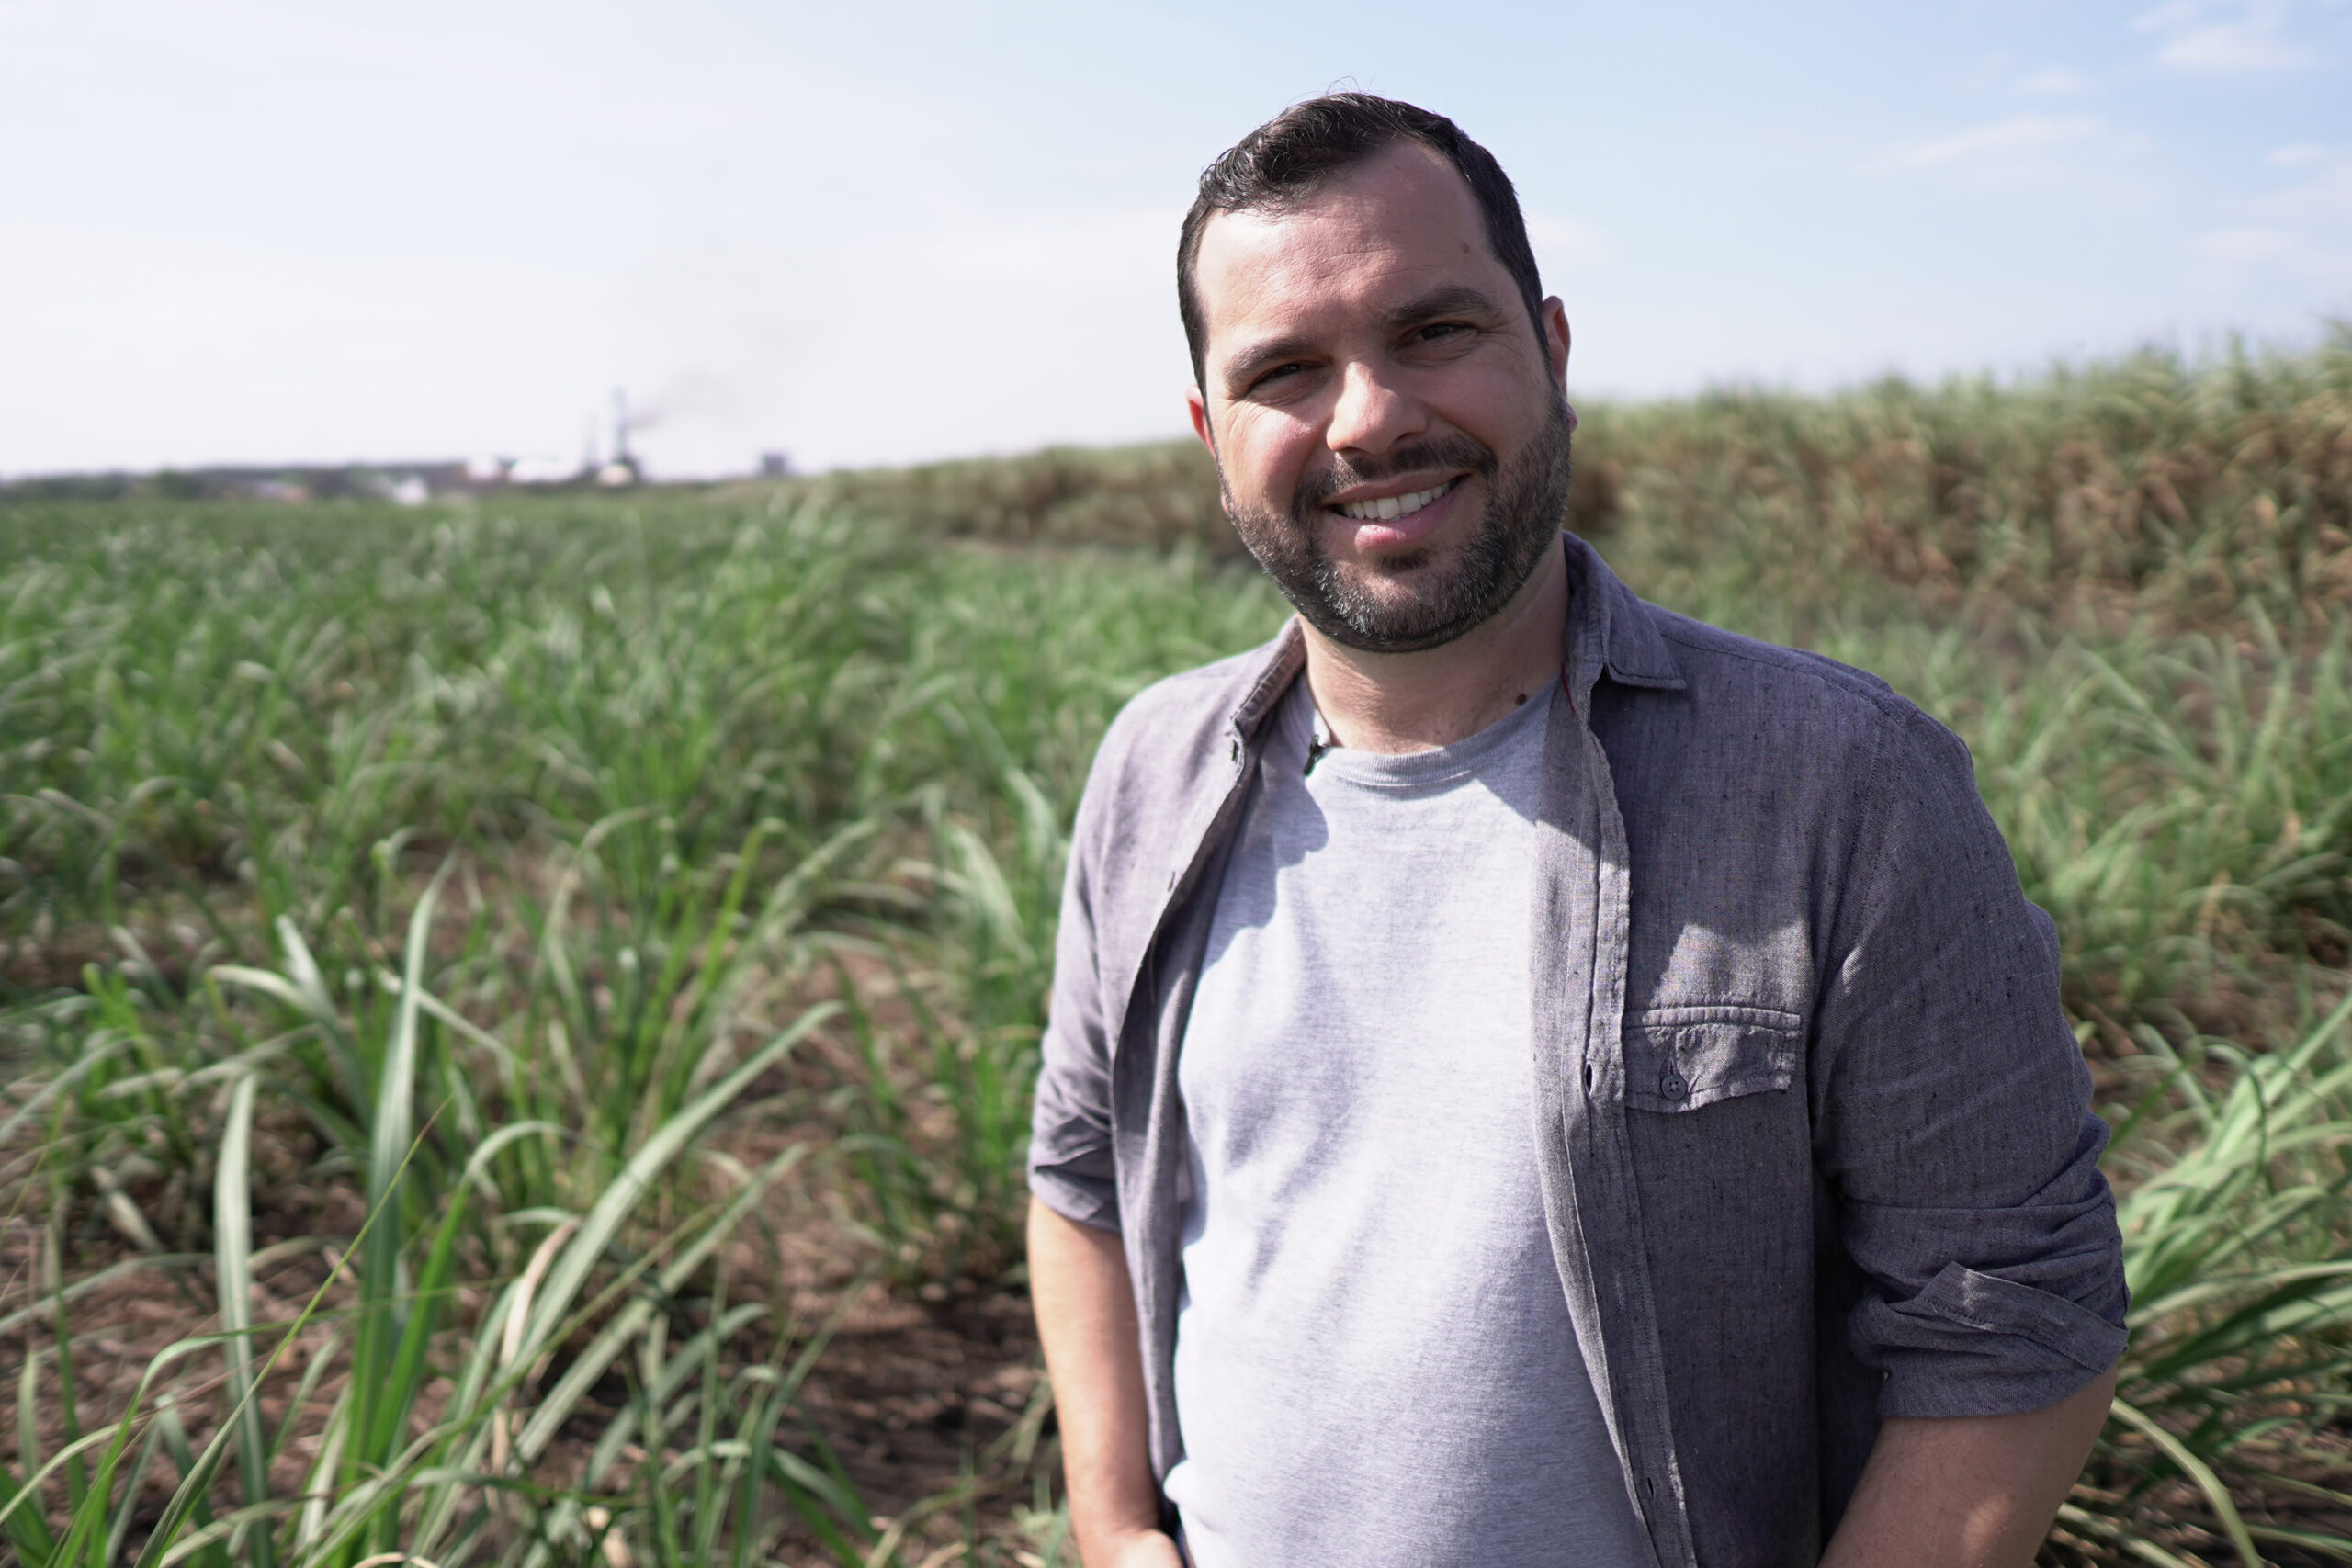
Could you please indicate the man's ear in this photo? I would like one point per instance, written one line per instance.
(1555, 340)
(1196, 409)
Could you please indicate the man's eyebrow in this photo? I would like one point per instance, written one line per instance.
(1450, 300)
(1243, 367)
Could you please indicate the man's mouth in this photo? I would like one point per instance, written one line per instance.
(1387, 508)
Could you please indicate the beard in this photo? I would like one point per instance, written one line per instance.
(1417, 598)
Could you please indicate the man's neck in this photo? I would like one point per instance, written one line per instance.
(1416, 702)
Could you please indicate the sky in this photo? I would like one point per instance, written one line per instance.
(887, 232)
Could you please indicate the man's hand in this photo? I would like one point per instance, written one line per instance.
(1971, 1491)
(1086, 1316)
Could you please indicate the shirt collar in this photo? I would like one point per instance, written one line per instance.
(1612, 628)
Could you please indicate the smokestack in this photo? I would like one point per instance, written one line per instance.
(621, 470)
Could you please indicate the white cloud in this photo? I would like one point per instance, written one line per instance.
(2250, 243)
(2296, 155)
(2218, 40)
(2250, 253)
(2322, 195)
(2056, 82)
(2018, 136)
(2301, 231)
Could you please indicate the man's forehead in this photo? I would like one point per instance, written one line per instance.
(1402, 217)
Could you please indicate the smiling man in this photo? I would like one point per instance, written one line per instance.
(1532, 1078)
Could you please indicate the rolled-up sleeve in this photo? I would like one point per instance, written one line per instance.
(1951, 1109)
(1071, 1166)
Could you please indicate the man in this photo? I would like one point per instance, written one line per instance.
(1531, 1078)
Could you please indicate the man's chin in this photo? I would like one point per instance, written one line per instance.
(1400, 601)
(1395, 574)
(1388, 622)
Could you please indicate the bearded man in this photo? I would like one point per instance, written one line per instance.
(1532, 1078)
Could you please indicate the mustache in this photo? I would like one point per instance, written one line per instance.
(1456, 451)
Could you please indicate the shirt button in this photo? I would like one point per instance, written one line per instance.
(1672, 1086)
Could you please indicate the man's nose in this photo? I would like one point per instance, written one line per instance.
(1372, 414)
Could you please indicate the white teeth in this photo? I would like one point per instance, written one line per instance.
(1390, 507)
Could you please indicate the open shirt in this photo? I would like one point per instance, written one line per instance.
(1812, 1133)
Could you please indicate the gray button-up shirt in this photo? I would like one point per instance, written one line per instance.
(1812, 1133)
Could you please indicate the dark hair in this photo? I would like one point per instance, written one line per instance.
(1308, 145)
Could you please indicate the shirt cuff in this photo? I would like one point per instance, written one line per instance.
(1081, 1200)
(1975, 1344)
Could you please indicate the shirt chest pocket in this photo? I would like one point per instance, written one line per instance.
(1681, 1059)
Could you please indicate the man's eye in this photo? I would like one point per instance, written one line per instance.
(1437, 331)
(1279, 373)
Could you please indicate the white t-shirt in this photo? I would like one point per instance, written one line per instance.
(1373, 1358)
